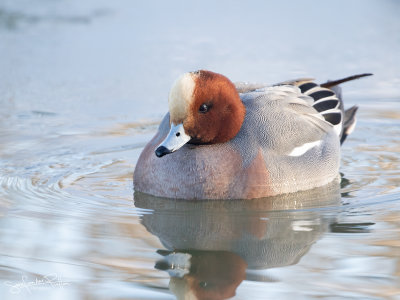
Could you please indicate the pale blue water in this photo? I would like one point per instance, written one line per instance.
(83, 86)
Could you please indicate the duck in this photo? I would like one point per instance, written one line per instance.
(221, 140)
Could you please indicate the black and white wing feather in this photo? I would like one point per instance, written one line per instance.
(328, 102)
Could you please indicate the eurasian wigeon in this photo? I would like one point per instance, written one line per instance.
(226, 141)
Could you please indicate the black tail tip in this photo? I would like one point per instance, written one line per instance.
(330, 84)
(364, 75)
(162, 265)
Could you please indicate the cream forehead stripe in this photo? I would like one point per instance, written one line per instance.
(180, 97)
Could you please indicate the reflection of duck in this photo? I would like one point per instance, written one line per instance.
(267, 232)
(242, 142)
(203, 274)
(262, 233)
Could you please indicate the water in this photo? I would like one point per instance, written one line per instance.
(83, 86)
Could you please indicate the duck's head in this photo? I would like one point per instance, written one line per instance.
(205, 108)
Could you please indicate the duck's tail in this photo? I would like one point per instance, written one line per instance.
(349, 122)
(328, 102)
(330, 84)
(349, 115)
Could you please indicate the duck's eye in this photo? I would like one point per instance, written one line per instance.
(203, 284)
(205, 107)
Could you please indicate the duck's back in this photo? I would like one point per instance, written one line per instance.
(297, 148)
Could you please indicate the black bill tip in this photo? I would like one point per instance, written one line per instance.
(162, 265)
(161, 151)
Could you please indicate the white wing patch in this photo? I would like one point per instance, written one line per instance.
(300, 150)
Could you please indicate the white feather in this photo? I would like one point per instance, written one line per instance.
(300, 150)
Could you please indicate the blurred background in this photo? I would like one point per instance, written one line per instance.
(83, 85)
